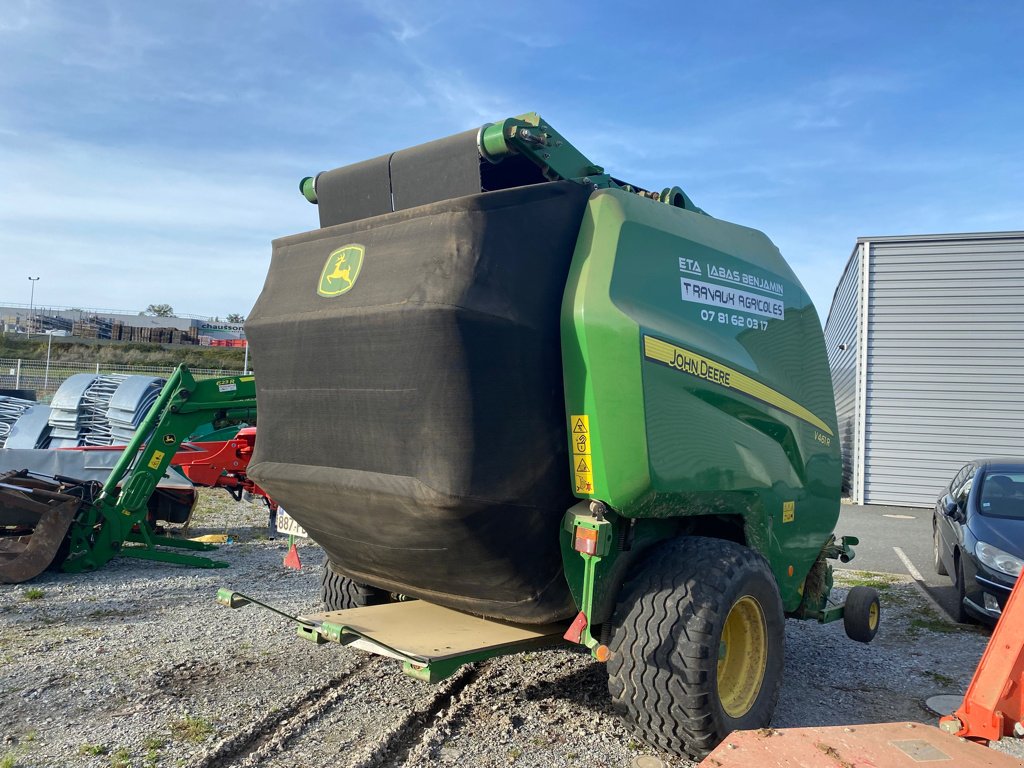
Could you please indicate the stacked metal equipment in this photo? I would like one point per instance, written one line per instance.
(99, 410)
(31, 430)
(130, 404)
(93, 423)
(65, 411)
(11, 409)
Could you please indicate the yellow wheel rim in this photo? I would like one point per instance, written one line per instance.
(742, 657)
(873, 617)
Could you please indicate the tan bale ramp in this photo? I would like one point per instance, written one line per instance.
(431, 632)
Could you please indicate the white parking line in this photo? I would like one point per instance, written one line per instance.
(919, 583)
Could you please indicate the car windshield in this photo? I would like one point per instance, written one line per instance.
(1002, 493)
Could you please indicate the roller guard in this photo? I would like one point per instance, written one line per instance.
(415, 424)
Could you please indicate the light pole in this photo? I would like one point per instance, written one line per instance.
(46, 378)
(31, 304)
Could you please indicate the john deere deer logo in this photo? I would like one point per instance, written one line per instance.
(341, 270)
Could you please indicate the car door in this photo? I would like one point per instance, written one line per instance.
(949, 525)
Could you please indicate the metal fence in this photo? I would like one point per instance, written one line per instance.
(45, 377)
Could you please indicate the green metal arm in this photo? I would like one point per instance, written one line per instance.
(116, 517)
(529, 135)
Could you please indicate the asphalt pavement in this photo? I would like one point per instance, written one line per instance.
(896, 540)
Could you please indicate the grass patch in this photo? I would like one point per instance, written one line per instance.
(934, 624)
(879, 581)
(153, 745)
(34, 593)
(194, 729)
(944, 680)
(9, 760)
(515, 753)
(122, 758)
(93, 750)
(154, 742)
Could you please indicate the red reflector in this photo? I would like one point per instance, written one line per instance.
(575, 631)
(586, 540)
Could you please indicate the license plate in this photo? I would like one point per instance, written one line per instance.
(286, 524)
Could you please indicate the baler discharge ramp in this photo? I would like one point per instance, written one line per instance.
(35, 516)
(432, 642)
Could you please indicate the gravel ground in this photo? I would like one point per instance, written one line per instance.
(135, 665)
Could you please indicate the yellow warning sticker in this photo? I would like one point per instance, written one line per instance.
(788, 511)
(582, 463)
(158, 456)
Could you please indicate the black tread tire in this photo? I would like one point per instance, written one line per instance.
(339, 593)
(960, 613)
(940, 567)
(666, 632)
(857, 612)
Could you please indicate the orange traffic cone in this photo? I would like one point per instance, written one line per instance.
(291, 560)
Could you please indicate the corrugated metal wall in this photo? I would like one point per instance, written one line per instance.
(945, 364)
(842, 340)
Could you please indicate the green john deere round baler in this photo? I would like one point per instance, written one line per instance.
(502, 381)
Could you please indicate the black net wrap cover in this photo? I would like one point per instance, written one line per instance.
(415, 425)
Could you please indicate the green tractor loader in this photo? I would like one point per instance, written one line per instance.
(550, 406)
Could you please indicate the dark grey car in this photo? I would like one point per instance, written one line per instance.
(978, 534)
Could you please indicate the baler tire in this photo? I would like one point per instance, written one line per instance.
(339, 593)
(667, 639)
(861, 614)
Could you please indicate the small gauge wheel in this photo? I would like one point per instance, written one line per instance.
(861, 614)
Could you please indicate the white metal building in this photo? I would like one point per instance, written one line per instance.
(925, 340)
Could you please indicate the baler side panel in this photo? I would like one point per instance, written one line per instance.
(601, 369)
(718, 351)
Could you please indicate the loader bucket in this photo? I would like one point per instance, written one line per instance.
(34, 522)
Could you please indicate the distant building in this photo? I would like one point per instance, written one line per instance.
(925, 340)
(123, 326)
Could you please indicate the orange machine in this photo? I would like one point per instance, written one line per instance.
(994, 702)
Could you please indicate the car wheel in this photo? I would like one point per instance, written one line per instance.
(960, 613)
(940, 567)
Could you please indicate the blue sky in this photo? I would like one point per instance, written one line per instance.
(149, 152)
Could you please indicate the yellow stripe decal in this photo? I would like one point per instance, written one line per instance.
(709, 370)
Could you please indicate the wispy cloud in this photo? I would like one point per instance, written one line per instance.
(404, 21)
(23, 15)
(115, 228)
(162, 141)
